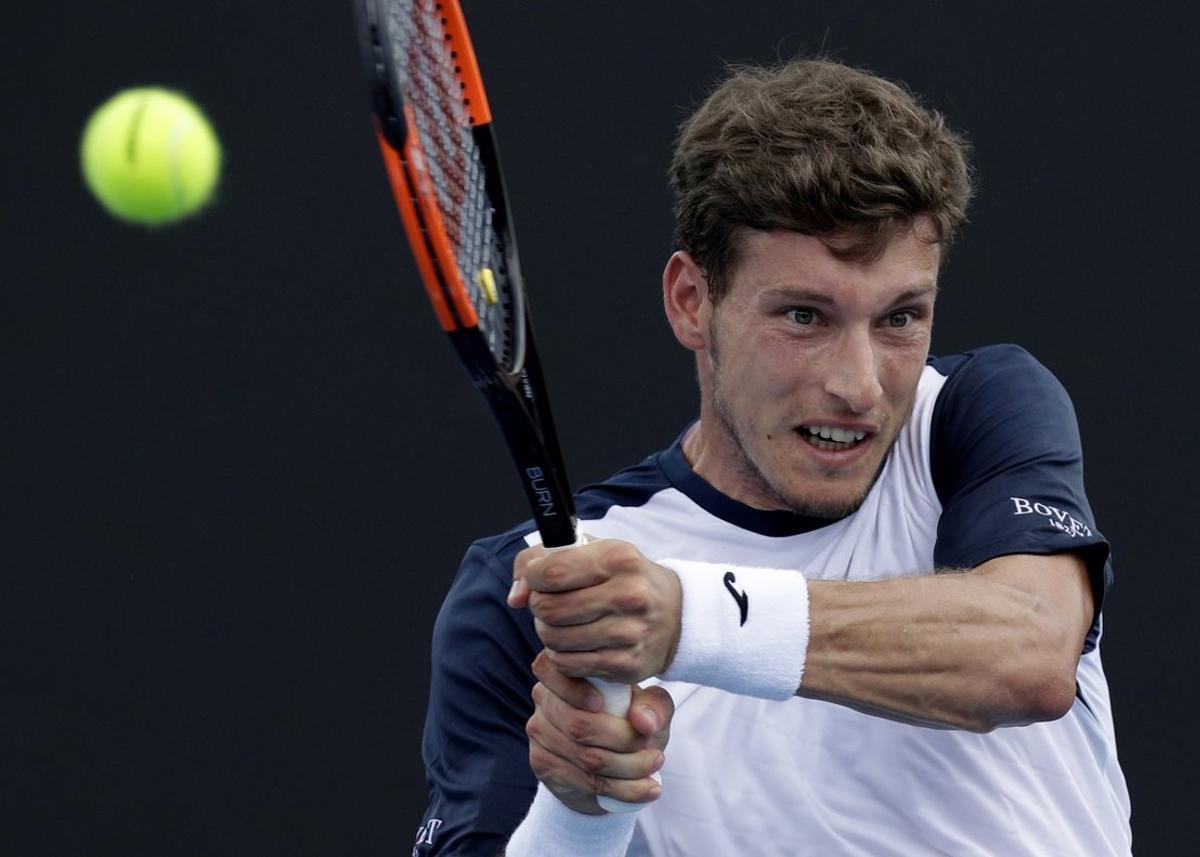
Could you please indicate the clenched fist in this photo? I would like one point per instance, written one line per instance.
(581, 753)
(602, 610)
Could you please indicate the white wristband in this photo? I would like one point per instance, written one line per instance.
(552, 830)
(744, 630)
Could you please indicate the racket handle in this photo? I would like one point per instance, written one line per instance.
(616, 702)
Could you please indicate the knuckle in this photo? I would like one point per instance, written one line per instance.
(538, 762)
(598, 785)
(554, 575)
(629, 633)
(546, 608)
(576, 728)
(571, 667)
(633, 597)
(592, 760)
(623, 557)
(533, 727)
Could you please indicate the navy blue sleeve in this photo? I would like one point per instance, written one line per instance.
(1008, 466)
(475, 748)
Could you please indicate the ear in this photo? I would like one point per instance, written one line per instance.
(685, 299)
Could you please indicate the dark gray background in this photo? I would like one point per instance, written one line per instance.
(239, 464)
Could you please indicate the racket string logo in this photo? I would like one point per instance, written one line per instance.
(1060, 519)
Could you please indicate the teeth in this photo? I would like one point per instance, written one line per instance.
(836, 434)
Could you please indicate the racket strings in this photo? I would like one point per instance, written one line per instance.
(451, 159)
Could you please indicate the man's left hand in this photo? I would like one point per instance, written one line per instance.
(602, 610)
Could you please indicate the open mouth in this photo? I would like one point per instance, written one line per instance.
(831, 437)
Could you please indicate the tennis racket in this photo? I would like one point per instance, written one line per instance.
(434, 128)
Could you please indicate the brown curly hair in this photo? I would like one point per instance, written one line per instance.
(816, 147)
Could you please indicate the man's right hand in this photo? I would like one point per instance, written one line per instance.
(579, 751)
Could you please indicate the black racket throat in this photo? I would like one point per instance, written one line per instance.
(518, 403)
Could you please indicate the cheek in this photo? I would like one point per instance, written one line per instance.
(776, 382)
(753, 364)
(899, 374)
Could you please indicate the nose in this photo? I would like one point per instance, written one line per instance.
(853, 372)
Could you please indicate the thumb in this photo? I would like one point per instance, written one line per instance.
(650, 713)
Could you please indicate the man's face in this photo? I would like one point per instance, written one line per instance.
(812, 368)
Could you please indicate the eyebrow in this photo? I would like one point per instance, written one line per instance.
(917, 292)
(816, 297)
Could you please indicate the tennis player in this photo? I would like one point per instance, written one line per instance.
(863, 588)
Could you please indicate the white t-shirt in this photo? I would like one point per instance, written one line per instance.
(987, 464)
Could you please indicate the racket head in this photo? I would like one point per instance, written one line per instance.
(433, 124)
(434, 128)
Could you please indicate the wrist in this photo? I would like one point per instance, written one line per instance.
(744, 630)
(550, 829)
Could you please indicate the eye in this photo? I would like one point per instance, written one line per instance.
(802, 317)
(901, 319)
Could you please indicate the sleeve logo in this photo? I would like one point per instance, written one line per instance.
(1059, 519)
(425, 834)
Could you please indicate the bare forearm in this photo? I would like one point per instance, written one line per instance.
(996, 645)
(967, 650)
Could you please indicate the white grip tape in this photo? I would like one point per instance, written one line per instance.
(616, 702)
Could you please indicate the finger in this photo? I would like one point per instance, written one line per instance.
(615, 665)
(523, 557)
(575, 692)
(577, 607)
(593, 729)
(609, 632)
(563, 571)
(518, 594)
(590, 761)
(572, 783)
(650, 713)
(587, 765)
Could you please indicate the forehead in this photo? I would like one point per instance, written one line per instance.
(781, 260)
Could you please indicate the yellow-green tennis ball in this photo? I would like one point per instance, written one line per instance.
(150, 156)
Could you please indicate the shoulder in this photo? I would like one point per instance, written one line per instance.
(994, 369)
(1007, 463)
(998, 405)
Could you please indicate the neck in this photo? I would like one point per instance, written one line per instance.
(717, 459)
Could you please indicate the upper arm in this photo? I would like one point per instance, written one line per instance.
(1007, 463)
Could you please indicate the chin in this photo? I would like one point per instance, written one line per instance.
(826, 508)
(832, 504)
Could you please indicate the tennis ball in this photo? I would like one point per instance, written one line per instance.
(150, 156)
